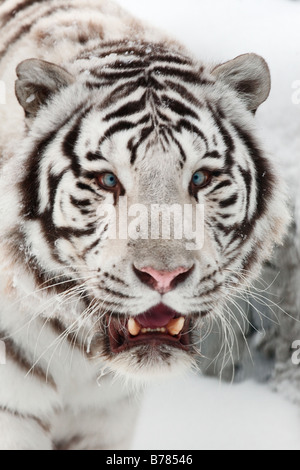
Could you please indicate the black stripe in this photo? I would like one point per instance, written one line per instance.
(164, 137)
(115, 76)
(13, 12)
(91, 247)
(264, 176)
(91, 213)
(59, 329)
(15, 353)
(184, 124)
(26, 28)
(226, 229)
(177, 107)
(43, 425)
(215, 236)
(68, 232)
(127, 88)
(69, 144)
(247, 177)
(52, 233)
(69, 443)
(134, 64)
(95, 156)
(29, 186)
(183, 92)
(144, 135)
(120, 92)
(229, 202)
(227, 139)
(232, 254)
(80, 202)
(182, 153)
(71, 139)
(251, 259)
(209, 292)
(188, 76)
(222, 184)
(85, 187)
(132, 107)
(213, 154)
(162, 116)
(208, 277)
(116, 128)
(180, 60)
(119, 295)
(116, 279)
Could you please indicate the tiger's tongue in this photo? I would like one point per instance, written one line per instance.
(156, 317)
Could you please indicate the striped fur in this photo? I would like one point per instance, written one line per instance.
(148, 111)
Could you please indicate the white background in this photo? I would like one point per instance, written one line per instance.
(195, 412)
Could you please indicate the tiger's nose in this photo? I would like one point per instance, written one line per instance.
(163, 281)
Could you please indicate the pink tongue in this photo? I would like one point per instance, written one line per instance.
(156, 317)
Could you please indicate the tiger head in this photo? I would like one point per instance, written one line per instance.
(145, 127)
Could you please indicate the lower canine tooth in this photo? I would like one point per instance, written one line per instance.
(134, 327)
(175, 326)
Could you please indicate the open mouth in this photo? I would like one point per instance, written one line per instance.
(158, 326)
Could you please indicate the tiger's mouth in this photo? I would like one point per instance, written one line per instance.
(158, 326)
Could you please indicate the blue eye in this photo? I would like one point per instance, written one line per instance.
(201, 178)
(108, 181)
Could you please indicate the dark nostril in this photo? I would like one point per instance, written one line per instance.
(163, 281)
(145, 278)
(181, 277)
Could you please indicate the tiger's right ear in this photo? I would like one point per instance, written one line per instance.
(37, 82)
(249, 76)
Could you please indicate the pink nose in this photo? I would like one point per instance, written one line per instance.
(163, 281)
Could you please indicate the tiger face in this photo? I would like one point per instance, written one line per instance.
(144, 127)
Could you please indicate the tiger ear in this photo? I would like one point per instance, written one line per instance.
(37, 82)
(249, 75)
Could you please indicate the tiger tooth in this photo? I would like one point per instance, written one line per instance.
(134, 327)
(175, 326)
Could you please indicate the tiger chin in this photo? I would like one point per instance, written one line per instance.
(99, 109)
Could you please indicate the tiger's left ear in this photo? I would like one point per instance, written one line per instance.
(249, 75)
(37, 82)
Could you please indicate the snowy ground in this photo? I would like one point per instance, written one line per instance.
(201, 413)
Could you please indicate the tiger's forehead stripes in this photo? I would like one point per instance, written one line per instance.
(158, 106)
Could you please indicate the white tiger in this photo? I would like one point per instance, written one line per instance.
(115, 109)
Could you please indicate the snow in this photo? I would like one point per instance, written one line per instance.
(196, 412)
